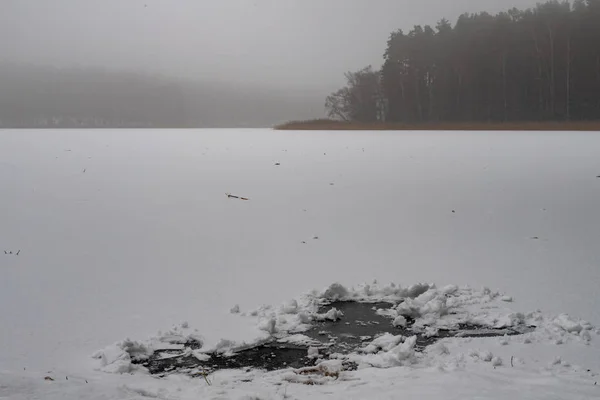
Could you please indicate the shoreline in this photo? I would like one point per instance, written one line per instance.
(330, 125)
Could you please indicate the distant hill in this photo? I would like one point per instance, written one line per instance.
(47, 97)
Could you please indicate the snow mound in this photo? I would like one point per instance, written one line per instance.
(383, 343)
(118, 358)
(400, 321)
(372, 292)
(430, 302)
(300, 340)
(224, 346)
(564, 322)
(122, 356)
(387, 351)
(335, 292)
(332, 315)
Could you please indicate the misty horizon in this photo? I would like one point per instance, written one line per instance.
(306, 45)
(45, 97)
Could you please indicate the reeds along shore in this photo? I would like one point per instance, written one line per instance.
(332, 125)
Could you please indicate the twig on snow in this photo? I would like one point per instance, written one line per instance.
(229, 195)
(205, 375)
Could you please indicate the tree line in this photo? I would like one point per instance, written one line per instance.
(538, 64)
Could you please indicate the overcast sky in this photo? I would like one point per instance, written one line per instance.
(285, 43)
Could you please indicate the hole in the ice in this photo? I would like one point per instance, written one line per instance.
(360, 324)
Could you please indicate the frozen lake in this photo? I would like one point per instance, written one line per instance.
(123, 233)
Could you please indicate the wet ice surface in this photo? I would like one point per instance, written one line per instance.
(360, 324)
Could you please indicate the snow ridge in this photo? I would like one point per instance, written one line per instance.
(427, 307)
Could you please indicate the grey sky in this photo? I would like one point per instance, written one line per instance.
(285, 43)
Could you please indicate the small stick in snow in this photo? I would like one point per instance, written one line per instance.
(511, 361)
(18, 252)
(205, 375)
(84, 170)
(229, 195)
(66, 377)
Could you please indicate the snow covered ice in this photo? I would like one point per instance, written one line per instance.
(146, 240)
